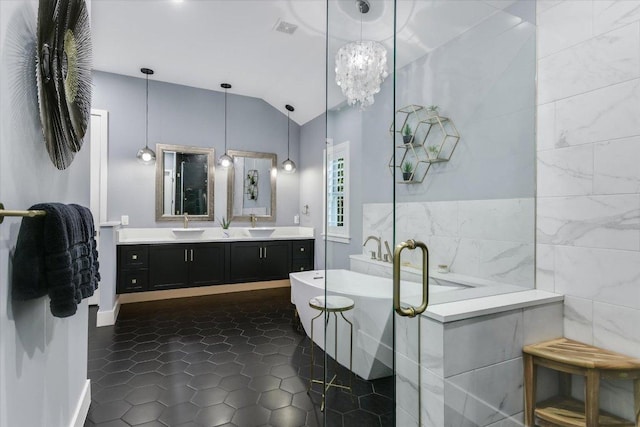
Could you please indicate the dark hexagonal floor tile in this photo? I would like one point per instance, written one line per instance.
(115, 379)
(148, 366)
(376, 404)
(213, 339)
(145, 355)
(170, 346)
(256, 369)
(275, 399)
(218, 348)
(289, 416)
(145, 346)
(265, 383)
(284, 371)
(234, 382)
(205, 381)
(172, 356)
(200, 368)
(209, 397)
(241, 398)
(248, 358)
(275, 359)
(178, 414)
(144, 413)
(294, 384)
(145, 394)
(195, 357)
(108, 411)
(174, 395)
(360, 418)
(224, 357)
(251, 416)
(174, 367)
(175, 379)
(109, 394)
(230, 368)
(148, 378)
(216, 415)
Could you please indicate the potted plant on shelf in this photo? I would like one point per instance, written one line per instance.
(433, 152)
(406, 134)
(224, 223)
(432, 111)
(407, 171)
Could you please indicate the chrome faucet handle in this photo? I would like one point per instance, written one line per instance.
(253, 219)
(185, 221)
(388, 257)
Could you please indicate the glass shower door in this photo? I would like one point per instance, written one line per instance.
(429, 190)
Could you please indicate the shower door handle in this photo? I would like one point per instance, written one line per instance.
(410, 311)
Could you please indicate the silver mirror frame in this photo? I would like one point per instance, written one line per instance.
(230, 180)
(160, 149)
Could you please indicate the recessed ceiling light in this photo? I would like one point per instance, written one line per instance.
(285, 27)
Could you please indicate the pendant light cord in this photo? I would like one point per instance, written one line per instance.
(288, 127)
(225, 121)
(146, 134)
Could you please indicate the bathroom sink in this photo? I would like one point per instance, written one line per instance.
(261, 231)
(187, 232)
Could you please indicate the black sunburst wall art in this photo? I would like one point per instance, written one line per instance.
(63, 73)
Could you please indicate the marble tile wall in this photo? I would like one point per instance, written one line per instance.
(488, 239)
(588, 205)
(483, 387)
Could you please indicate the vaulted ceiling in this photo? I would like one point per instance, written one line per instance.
(202, 43)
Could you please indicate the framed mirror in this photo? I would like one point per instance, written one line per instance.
(251, 186)
(184, 182)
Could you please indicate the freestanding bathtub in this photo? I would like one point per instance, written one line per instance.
(371, 315)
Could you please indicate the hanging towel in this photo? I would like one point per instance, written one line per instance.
(89, 266)
(52, 254)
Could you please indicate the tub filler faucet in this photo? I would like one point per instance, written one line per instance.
(379, 241)
(185, 220)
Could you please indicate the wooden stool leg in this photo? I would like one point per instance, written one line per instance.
(565, 384)
(636, 400)
(529, 390)
(592, 395)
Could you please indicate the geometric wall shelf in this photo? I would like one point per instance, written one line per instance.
(422, 138)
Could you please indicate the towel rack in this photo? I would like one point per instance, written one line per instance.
(30, 213)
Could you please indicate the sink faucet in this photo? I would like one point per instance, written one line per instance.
(377, 239)
(389, 255)
(253, 220)
(185, 220)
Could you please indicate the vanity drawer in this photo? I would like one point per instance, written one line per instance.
(133, 280)
(134, 256)
(301, 265)
(301, 249)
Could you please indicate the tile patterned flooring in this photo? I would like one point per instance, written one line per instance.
(222, 360)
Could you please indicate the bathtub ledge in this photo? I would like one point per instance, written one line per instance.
(466, 309)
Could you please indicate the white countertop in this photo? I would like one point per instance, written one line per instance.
(133, 236)
(468, 308)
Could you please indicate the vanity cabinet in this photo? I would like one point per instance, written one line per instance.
(302, 255)
(258, 261)
(186, 265)
(181, 265)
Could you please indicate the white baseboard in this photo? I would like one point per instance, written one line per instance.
(82, 410)
(108, 317)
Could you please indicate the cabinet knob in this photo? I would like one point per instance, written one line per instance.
(134, 256)
(134, 281)
(301, 268)
(301, 249)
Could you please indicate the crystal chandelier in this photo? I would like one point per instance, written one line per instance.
(361, 67)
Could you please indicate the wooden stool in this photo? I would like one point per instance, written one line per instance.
(572, 357)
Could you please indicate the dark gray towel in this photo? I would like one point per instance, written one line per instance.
(89, 274)
(51, 255)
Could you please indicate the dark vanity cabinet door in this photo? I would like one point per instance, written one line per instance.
(133, 271)
(245, 264)
(168, 266)
(302, 255)
(276, 260)
(207, 264)
(258, 261)
(186, 265)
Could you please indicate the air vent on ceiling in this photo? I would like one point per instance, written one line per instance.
(285, 27)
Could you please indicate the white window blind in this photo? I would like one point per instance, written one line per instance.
(337, 192)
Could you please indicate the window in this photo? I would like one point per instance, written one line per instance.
(336, 186)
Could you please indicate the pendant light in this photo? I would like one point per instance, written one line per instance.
(225, 160)
(146, 155)
(288, 165)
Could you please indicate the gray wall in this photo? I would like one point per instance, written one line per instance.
(485, 81)
(184, 115)
(43, 360)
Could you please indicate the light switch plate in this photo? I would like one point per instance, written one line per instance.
(124, 220)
